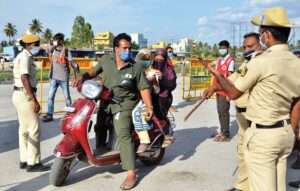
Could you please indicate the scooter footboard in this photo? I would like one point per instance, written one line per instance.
(68, 147)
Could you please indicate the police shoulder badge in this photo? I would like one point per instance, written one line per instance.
(244, 71)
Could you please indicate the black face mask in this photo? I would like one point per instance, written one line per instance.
(247, 55)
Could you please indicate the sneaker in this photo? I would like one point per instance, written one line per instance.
(47, 118)
(23, 165)
(38, 168)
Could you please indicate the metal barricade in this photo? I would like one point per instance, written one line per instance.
(197, 80)
(84, 64)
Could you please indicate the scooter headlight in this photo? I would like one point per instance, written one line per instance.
(81, 116)
(91, 89)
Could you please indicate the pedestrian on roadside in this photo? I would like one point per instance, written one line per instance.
(225, 66)
(27, 106)
(60, 59)
(273, 78)
(251, 47)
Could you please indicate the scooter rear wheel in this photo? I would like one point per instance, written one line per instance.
(60, 171)
(155, 159)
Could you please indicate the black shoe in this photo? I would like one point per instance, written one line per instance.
(37, 168)
(296, 164)
(295, 184)
(47, 118)
(233, 189)
(23, 165)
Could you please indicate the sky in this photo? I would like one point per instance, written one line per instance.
(202, 20)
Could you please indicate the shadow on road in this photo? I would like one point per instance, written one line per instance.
(11, 142)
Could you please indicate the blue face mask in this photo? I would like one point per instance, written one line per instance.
(35, 50)
(125, 55)
(223, 52)
(145, 63)
(170, 55)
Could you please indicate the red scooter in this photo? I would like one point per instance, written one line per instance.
(77, 123)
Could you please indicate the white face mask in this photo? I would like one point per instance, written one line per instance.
(55, 43)
(223, 52)
(263, 45)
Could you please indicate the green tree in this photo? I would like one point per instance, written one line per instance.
(82, 34)
(36, 26)
(134, 46)
(88, 35)
(47, 35)
(100, 47)
(215, 51)
(10, 31)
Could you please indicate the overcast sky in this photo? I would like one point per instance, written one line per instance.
(206, 21)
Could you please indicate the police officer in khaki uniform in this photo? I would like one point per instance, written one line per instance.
(125, 79)
(272, 78)
(27, 106)
(251, 47)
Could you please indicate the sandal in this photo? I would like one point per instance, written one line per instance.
(169, 139)
(221, 138)
(142, 147)
(215, 135)
(125, 186)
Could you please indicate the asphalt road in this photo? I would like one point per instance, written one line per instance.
(193, 162)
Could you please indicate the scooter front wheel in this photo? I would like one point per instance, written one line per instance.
(60, 171)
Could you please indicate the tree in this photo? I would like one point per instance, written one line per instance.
(47, 35)
(36, 26)
(82, 34)
(100, 47)
(10, 31)
(88, 35)
(134, 46)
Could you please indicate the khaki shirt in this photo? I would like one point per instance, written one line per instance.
(112, 78)
(241, 101)
(24, 64)
(273, 81)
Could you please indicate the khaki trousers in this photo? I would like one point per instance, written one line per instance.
(242, 182)
(29, 129)
(266, 152)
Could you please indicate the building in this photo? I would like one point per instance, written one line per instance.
(160, 44)
(184, 45)
(139, 40)
(104, 39)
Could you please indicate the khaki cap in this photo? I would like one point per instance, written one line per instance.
(275, 16)
(29, 38)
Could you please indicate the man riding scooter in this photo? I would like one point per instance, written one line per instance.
(119, 69)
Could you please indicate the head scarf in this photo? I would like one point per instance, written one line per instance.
(166, 68)
(140, 55)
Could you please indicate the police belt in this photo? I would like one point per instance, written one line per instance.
(278, 124)
(241, 109)
(21, 89)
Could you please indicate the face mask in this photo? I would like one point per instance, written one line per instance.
(247, 55)
(145, 63)
(223, 52)
(55, 43)
(35, 50)
(170, 55)
(159, 65)
(125, 55)
(263, 45)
